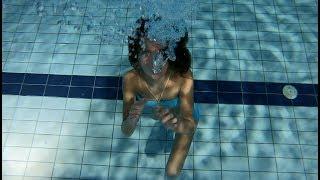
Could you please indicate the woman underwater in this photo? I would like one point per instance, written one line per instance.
(155, 81)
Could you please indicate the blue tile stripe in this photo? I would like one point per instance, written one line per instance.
(110, 87)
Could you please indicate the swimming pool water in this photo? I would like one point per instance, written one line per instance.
(62, 96)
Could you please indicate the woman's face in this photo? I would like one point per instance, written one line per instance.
(151, 60)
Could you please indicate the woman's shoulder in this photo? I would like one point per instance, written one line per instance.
(132, 74)
(187, 75)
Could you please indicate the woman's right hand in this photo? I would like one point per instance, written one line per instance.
(136, 110)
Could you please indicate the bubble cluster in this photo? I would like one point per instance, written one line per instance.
(171, 18)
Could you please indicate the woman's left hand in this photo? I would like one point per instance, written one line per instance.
(168, 117)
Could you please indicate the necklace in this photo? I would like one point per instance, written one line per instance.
(158, 99)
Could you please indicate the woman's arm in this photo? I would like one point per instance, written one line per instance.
(186, 123)
(129, 119)
(180, 121)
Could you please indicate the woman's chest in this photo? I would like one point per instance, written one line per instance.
(169, 91)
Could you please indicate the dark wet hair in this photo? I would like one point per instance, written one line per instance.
(183, 58)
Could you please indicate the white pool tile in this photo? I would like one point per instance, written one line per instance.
(258, 123)
(63, 58)
(38, 68)
(23, 126)
(18, 57)
(46, 28)
(26, 114)
(148, 173)
(42, 155)
(289, 165)
(233, 149)
(94, 172)
(263, 175)
(72, 129)
(45, 141)
(128, 172)
(256, 111)
(125, 145)
(96, 158)
(65, 48)
(309, 151)
(279, 77)
(311, 165)
(252, 76)
(68, 38)
(46, 38)
(111, 49)
(309, 138)
(233, 110)
(291, 175)
(283, 124)
(29, 101)
(54, 102)
(72, 116)
(21, 140)
(110, 60)
(108, 71)
(235, 163)
(84, 70)
(100, 144)
(281, 112)
(306, 112)
(287, 151)
(78, 104)
(14, 167)
(208, 135)
(86, 59)
(54, 115)
(231, 122)
(15, 153)
(43, 47)
(154, 161)
(50, 128)
(101, 118)
(299, 77)
(262, 164)
(206, 148)
(15, 67)
(100, 130)
(204, 74)
(207, 163)
(285, 137)
(208, 122)
(71, 142)
(64, 69)
(123, 159)
(66, 170)
(8, 112)
(6, 124)
(232, 135)
(69, 156)
(261, 150)
(39, 169)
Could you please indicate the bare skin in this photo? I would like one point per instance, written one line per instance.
(183, 124)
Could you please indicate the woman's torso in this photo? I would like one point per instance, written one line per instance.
(169, 98)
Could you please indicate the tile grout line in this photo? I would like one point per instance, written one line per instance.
(241, 87)
(22, 84)
(293, 109)
(15, 108)
(266, 93)
(217, 96)
(65, 108)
